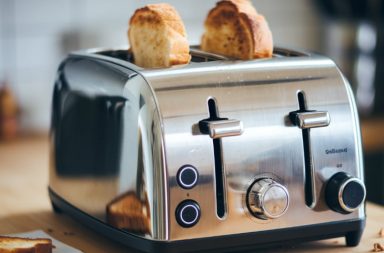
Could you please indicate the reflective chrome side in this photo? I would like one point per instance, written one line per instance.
(107, 155)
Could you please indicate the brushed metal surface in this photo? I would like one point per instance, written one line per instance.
(260, 93)
(158, 112)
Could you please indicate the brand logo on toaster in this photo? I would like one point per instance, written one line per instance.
(336, 151)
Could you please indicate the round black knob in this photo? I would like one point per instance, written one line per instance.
(344, 193)
(187, 176)
(188, 213)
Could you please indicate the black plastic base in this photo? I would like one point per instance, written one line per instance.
(353, 238)
(351, 229)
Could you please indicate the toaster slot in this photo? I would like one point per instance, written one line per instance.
(218, 128)
(122, 54)
(306, 119)
(205, 126)
(219, 168)
(219, 178)
(283, 52)
(197, 55)
(309, 182)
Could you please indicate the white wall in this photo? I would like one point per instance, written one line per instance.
(33, 32)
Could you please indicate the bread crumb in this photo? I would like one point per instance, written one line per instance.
(378, 247)
(381, 233)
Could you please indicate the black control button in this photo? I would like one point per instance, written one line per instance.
(187, 176)
(188, 213)
(344, 194)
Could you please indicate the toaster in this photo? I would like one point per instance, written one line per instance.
(218, 155)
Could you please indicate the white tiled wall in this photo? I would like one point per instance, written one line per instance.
(33, 32)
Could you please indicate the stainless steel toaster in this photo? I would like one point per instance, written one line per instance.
(217, 155)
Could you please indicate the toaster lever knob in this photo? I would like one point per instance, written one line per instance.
(222, 127)
(344, 193)
(267, 199)
(310, 119)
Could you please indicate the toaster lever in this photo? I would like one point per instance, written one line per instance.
(307, 119)
(221, 127)
(310, 119)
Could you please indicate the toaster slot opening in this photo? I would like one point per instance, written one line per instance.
(123, 54)
(308, 160)
(309, 182)
(283, 52)
(197, 55)
(219, 170)
(307, 119)
(219, 167)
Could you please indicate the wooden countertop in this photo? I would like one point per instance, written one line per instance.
(25, 206)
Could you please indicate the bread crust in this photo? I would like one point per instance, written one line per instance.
(235, 29)
(25, 245)
(158, 37)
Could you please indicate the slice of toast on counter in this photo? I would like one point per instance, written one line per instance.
(157, 37)
(234, 28)
(24, 245)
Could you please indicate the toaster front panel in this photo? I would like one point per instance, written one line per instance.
(251, 146)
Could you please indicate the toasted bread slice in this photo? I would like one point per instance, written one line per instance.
(24, 245)
(157, 37)
(130, 213)
(234, 28)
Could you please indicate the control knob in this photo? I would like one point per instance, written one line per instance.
(188, 213)
(267, 199)
(344, 193)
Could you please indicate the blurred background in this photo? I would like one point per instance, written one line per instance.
(35, 35)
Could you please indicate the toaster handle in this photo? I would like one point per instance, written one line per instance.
(221, 128)
(310, 119)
